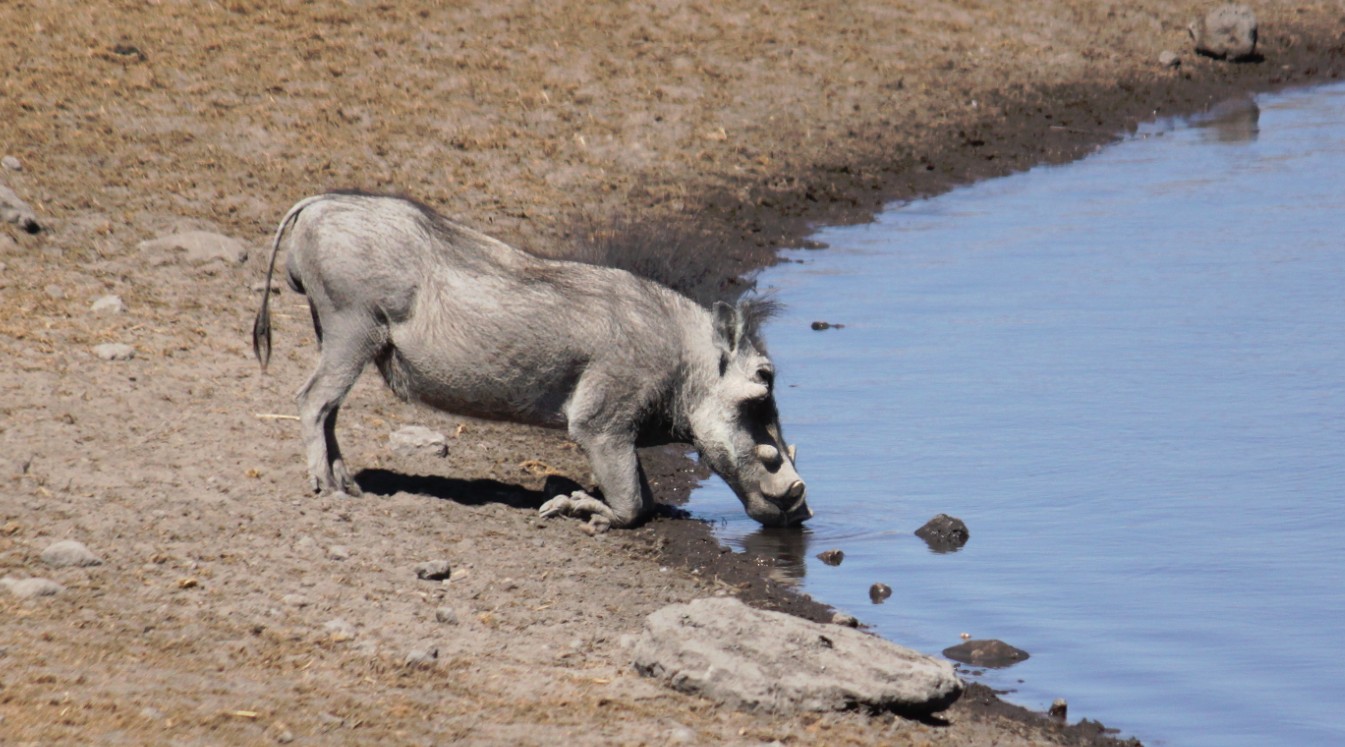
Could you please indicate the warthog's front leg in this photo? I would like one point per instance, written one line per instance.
(579, 503)
(621, 478)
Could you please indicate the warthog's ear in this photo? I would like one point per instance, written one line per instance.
(728, 327)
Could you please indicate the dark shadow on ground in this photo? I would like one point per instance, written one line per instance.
(467, 492)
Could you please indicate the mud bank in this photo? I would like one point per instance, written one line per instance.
(232, 608)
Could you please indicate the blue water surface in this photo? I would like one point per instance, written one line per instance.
(1127, 376)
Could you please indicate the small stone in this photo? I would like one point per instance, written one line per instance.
(992, 653)
(845, 619)
(114, 351)
(339, 630)
(11, 163)
(1169, 59)
(68, 553)
(878, 593)
(434, 570)
(16, 211)
(108, 305)
(1059, 709)
(54, 292)
(338, 552)
(417, 439)
(280, 733)
(28, 588)
(422, 658)
(680, 735)
(295, 600)
(831, 557)
(446, 615)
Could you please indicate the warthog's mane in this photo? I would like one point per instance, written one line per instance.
(756, 312)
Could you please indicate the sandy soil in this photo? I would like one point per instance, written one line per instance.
(231, 607)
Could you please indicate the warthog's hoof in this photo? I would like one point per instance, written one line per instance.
(579, 504)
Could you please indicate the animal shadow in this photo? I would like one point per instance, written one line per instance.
(466, 492)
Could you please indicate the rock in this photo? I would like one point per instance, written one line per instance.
(27, 588)
(195, 248)
(411, 440)
(992, 653)
(446, 615)
(944, 533)
(422, 658)
(338, 552)
(108, 305)
(68, 553)
(295, 600)
(1227, 32)
(753, 659)
(114, 351)
(1169, 59)
(434, 570)
(280, 733)
(844, 619)
(339, 630)
(878, 593)
(11, 163)
(831, 557)
(16, 211)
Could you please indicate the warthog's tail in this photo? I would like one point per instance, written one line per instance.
(261, 327)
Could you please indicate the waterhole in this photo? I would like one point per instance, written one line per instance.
(1127, 376)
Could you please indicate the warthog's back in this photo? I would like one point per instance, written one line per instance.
(477, 327)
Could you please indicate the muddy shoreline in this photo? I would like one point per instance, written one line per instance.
(231, 608)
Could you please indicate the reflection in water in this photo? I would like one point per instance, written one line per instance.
(788, 546)
(1237, 120)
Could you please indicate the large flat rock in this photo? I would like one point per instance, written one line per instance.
(769, 661)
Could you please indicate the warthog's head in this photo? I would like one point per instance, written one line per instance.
(737, 428)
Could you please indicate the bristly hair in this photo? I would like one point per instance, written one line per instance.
(756, 312)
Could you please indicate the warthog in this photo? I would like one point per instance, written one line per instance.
(467, 324)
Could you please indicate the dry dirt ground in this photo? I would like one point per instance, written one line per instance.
(233, 608)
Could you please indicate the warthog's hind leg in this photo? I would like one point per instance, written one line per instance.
(346, 349)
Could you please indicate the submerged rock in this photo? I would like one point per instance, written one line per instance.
(770, 661)
(944, 533)
(992, 653)
(878, 593)
(831, 557)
